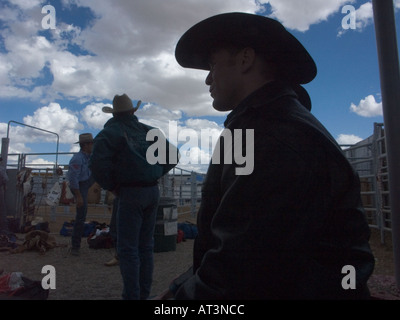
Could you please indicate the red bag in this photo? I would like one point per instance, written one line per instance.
(180, 236)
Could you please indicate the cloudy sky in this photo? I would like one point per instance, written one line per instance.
(58, 68)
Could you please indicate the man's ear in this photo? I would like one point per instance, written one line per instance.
(247, 58)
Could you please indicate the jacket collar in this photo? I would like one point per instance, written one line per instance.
(127, 120)
(262, 96)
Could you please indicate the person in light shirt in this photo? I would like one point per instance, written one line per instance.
(80, 181)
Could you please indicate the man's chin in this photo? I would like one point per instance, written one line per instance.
(221, 107)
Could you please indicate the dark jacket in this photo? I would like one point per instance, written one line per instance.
(286, 230)
(120, 154)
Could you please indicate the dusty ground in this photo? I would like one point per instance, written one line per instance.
(382, 283)
(86, 278)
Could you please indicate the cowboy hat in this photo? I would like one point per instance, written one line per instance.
(121, 104)
(85, 138)
(267, 36)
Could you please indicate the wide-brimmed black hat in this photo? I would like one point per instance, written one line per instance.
(267, 36)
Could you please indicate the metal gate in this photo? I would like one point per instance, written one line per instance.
(27, 175)
(368, 157)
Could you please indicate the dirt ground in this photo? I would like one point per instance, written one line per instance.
(87, 278)
(382, 283)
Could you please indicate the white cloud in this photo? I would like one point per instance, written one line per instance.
(196, 138)
(131, 45)
(367, 107)
(348, 139)
(40, 132)
(364, 16)
(152, 111)
(26, 4)
(127, 48)
(55, 119)
(47, 121)
(39, 163)
(27, 57)
(294, 15)
(94, 116)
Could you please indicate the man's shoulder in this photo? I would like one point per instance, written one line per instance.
(110, 128)
(138, 127)
(147, 127)
(76, 157)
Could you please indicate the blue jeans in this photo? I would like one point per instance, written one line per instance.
(113, 221)
(81, 213)
(136, 218)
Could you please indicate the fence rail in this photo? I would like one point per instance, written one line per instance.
(368, 158)
(30, 182)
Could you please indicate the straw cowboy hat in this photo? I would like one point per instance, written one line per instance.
(121, 104)
(85, 137)
(267, 36)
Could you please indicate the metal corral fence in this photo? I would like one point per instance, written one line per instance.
(30, 183)
(368, 158)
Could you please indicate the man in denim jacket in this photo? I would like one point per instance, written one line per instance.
(119, 164)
